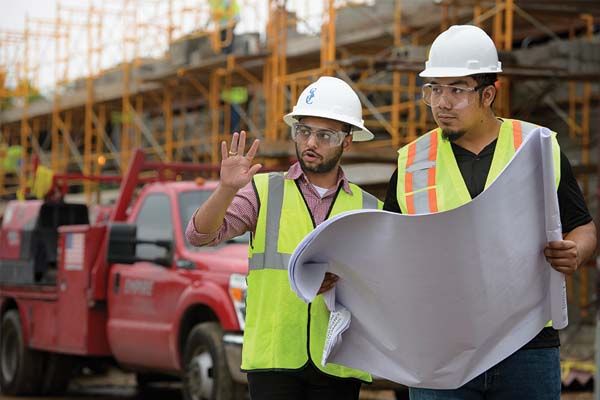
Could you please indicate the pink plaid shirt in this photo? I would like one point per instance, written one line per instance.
(242, 214)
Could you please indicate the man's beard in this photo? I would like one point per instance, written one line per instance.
(325, 166)
(452, 136)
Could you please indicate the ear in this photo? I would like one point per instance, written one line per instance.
(347, 142)
(489, 94)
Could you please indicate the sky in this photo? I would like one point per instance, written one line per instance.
(113, 27)
(13, 12)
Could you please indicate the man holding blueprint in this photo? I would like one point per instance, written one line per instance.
(283, 337)
(452, 164)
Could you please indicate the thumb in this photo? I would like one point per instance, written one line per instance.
(254, 169)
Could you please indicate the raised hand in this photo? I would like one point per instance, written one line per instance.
(236, 168)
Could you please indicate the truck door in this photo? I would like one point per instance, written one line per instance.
(143, 296)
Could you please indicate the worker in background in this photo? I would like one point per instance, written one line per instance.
(235, 97)
(454, 163)
(284, 337)
(12, 159)
(225, 14)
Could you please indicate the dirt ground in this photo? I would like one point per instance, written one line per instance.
(120, 386)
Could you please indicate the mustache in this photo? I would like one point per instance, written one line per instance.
(312, 153)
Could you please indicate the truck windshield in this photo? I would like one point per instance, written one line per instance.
(189, 201)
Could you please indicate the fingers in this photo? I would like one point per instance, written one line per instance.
(562, 256)
(238, 144)
(234, 143)
(254, 169)
(328, 282)
(561, 244)
(223, 150)
(241, 143)
(253, 149)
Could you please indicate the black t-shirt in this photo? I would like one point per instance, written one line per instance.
(475, 168)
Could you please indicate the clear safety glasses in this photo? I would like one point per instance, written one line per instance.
(324, 136)
(457, 96)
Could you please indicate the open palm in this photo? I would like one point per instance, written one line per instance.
(236, 168)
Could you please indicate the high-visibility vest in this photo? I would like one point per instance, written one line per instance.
(281, 331)
(12, 159)
(225, 11)
(422, 190)
(235, 95)
(429, 179)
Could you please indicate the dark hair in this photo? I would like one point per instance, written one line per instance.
(483, 81)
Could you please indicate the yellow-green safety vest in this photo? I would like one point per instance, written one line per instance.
(281, 331)
(422, 190)
(235, 95)
(225, 11)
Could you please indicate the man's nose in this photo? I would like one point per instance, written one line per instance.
(312, 140)
(443, 102)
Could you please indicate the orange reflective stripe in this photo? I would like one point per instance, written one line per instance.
(408, 182)
(432, 200)
(412, 149)
(408, 178)
(433, 146)
(517, 134)
(431, 174)
(432, 157)
(410, 203)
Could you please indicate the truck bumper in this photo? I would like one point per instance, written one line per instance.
(233, 352)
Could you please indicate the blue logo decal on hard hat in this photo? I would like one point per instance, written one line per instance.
(311, 96)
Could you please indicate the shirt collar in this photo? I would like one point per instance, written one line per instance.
(295, 172)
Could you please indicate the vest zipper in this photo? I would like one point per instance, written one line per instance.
(314, 226)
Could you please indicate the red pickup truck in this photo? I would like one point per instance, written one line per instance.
(121, 285)
(124, 287)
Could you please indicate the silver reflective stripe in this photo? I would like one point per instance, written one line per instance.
(420, 179)
(420, 176)
(422, 165)
(369, 201)
(271, 258)
(422, 202)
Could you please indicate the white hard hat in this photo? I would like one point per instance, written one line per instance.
(462, 50)
(331, 98)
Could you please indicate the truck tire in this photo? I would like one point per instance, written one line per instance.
(20, 366)
(205, 373)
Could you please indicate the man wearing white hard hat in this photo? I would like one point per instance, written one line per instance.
(284, 337)
(454, 163)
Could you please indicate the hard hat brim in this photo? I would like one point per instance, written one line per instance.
(440, 72)
(359, 134)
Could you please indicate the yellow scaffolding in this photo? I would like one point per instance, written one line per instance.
(98, 114)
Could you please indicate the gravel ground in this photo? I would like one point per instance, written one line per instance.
(120, 386)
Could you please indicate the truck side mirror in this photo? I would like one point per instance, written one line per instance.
(122, 243)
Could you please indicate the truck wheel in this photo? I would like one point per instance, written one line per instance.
(57, 374)
(20, 367)
(206, 374)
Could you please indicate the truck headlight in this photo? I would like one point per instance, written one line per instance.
(237, 292)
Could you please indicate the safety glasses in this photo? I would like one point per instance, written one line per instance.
(458, 96)
(324, 136)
